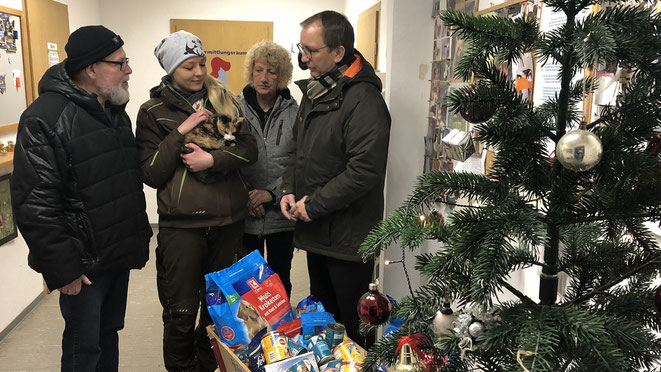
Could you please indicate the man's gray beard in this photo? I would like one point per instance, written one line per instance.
(117, 95)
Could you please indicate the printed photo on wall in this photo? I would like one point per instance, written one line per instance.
(455, 121)
(457, 53)
(446, 48)
(7, 225)
(435, 8)
(435, 91)
(432, 110)
(524, 76)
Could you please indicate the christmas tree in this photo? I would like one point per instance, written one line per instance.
(580, 214)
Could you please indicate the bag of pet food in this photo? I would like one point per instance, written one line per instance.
(315, 323)
(246, 298)
(309, 305)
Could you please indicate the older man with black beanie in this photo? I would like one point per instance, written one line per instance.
(77, 194)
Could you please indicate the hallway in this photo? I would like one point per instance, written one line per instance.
(34, 345)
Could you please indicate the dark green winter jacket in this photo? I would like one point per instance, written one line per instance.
(183, 200)
(340, 164)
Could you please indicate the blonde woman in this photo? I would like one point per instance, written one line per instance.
(200, 223)
(271, 112)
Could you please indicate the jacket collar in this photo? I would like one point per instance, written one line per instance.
(57, 80)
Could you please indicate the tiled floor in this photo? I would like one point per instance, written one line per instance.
(34, 345)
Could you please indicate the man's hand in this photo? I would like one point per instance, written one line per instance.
(298, 210)
(74, 287)
(286, 203)
(193, 120)
(198, 160)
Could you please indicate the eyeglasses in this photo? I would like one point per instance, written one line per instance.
(122, 64)
(307, 51)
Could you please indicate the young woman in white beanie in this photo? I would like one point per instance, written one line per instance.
(201, 219)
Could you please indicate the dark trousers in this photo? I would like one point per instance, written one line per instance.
(183, 257)
(339, 284)
(92, 318)
(280, 251)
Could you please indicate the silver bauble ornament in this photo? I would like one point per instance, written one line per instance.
(475, 329)
(579, 150)
(444, 321)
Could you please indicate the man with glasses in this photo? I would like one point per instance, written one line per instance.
(333, 185)
(77, 194)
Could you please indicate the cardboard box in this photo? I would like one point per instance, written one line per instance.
(229, 362)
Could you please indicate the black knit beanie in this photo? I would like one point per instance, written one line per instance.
(89, 44)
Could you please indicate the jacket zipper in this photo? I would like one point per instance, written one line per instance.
(277, 140)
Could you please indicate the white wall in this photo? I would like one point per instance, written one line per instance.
(83, 13)
(18, 283)
(409, 46)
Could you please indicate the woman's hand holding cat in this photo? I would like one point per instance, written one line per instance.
(193, 120)
(198, 160)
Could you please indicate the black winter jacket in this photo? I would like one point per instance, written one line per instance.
(76, 186)
(340, 163)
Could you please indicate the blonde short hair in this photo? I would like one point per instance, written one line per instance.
(275, 56)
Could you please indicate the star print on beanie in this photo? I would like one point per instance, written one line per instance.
(176, 48)
(89, 44)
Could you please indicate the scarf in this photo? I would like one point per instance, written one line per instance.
(321, 85)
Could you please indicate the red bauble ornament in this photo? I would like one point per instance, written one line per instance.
(657, 298)
(432, 361)
(373, 306)
(476, 112)
(654, 146)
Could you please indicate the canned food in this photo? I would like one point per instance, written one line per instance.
(348, 351)
(302, 365)
(334, 334)
(275, 347)
(295, 348)
(321, 350)
(333, 365)
(349, 367)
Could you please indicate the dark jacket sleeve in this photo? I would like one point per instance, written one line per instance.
(243, 154)
(159, 152)
(366, 134)
(39, 206)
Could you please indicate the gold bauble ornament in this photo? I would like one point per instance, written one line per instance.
(408, 360)
(579, 150)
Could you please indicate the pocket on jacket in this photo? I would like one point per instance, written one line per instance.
(81, 234)
(317, 231)
(341, 228)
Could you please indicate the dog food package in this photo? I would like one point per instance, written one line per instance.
(309, 305)
(246, 298)
(291, 329)
(315, 323)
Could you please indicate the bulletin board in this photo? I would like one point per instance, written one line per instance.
(226, 44)
(13, 99)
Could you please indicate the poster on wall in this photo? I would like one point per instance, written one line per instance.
(13, 100)
(226, 44)
(547, 83)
